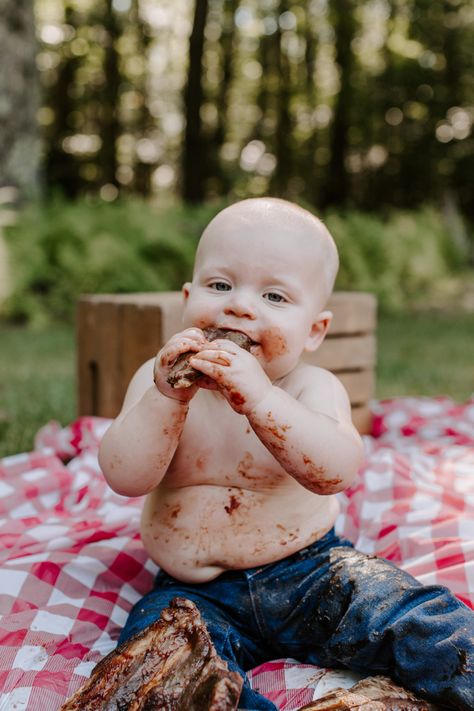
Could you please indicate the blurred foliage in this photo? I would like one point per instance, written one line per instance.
(334, 102)
(403, 258)
(62, 249)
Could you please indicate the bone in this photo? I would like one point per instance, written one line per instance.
(171, 665)
(182, 374)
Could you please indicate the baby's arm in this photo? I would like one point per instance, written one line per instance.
(138, 447)
(310, 432)
(312, 436)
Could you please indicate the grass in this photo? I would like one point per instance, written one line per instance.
(427, 353)
(36, 383)
(422, 354)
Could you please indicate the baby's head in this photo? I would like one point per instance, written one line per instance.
(266, 267)
(281, 228)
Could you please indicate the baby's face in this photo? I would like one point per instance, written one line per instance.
(263, 279)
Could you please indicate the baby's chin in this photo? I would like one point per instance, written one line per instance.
(275, 370)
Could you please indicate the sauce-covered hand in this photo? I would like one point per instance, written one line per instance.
(189, 340)
(237, 374)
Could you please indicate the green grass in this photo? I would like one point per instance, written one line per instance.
(429, 353)
(423, 354)
(37, 373)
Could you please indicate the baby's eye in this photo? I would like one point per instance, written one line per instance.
(220, 286)
(274, 297)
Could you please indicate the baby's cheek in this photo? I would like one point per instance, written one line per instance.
(203, 322)
(273, 343)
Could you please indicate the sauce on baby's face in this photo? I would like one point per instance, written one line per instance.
(270, 347)
(266, 283)
(273, 343)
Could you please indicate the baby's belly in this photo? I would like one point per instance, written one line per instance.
(196, 532)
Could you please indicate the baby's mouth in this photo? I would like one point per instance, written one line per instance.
(222, 330)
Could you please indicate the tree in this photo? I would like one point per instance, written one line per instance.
(61, 168)
(19, 102)
(283, 132)
(337, 185)
(194, 154)
(308, 70)
(227, 44)
(109, 123)
(143, 121)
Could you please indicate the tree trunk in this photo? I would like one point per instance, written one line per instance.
(61, 168)
(337, 185)
(19, 99)
(227, 43)
(283, 152)
(144, 122)
(307, 160)
(264, 94)
(109, 123)
(194, 153)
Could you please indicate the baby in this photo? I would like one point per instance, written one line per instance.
(241, 469)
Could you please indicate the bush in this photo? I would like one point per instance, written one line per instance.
(61, 249)
(403, 259)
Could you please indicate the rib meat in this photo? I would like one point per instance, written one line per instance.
(170, 666)
(182, 375)
(375, 693)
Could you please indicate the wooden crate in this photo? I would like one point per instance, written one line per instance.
(116, 333)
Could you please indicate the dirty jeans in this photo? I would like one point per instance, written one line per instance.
(331, 606)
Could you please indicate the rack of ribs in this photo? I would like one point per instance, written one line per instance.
(182, 375)
(375, 693)
(172, 665)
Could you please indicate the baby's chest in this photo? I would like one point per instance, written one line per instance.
(225, 452)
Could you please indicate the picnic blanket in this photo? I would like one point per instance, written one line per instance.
(72, 563)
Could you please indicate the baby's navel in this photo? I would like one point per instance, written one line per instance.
(234, 504)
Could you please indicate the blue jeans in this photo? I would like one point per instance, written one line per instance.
(331, 606)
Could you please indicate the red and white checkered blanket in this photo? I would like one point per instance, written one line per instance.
(72, 563)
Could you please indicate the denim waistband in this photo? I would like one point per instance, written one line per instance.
(329, 540)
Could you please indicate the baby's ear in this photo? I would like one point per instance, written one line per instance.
(185, 289)
(318, 331)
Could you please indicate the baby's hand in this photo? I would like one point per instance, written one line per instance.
(236, 373)
(192, 339)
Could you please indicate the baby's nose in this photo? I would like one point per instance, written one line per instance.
(241, 306)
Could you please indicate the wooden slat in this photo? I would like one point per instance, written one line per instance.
(360, 385)
(86, 359)
(362, 419)
(347, 351)
(172, 310)
(109, 358)
(141, 328)
(116, 333)
(354, 312)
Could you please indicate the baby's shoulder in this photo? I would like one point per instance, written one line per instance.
(306, 376)
(318, 389)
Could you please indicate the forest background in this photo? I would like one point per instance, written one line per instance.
(126, 124)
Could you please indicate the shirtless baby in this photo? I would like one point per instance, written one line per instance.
(241, 469)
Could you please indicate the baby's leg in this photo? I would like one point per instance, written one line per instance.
(238, 650)
(373, 617)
